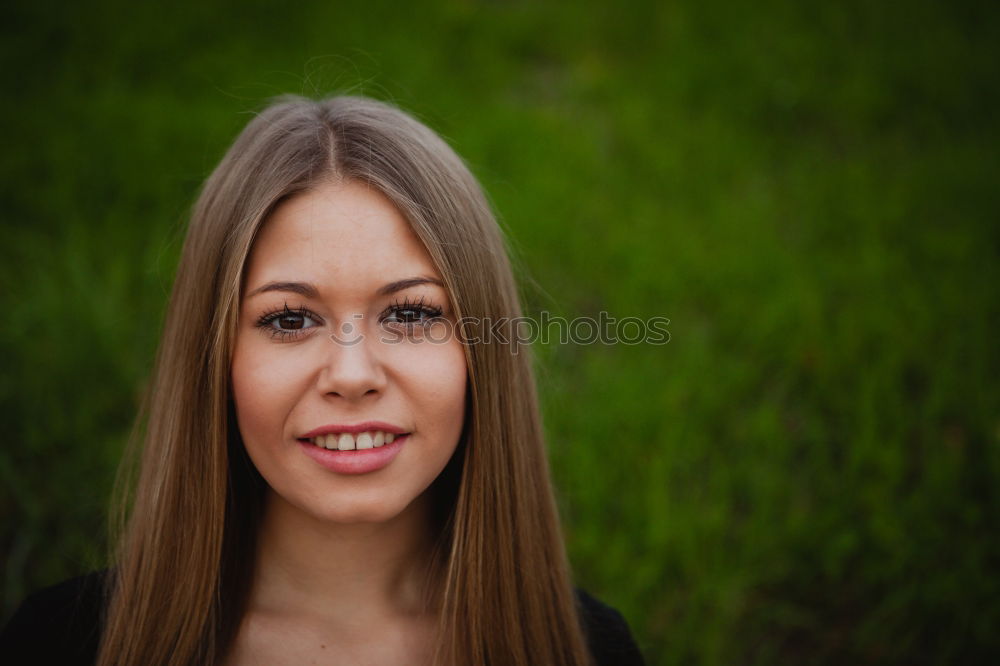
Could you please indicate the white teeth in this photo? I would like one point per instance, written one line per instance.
(347, 442)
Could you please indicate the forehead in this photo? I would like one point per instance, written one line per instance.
(337, 235)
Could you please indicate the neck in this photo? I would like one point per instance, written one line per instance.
(305, 565)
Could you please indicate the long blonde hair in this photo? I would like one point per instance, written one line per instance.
(184, 553)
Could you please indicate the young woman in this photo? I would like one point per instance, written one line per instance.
(338, 466)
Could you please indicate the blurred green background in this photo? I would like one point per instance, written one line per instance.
(807, 473)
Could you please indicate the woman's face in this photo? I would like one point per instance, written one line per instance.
(341, 325)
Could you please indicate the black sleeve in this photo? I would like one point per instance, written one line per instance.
(57, 625)
(608, 633)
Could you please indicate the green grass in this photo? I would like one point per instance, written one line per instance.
(807, 473)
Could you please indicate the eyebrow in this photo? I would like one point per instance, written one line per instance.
(309, 291)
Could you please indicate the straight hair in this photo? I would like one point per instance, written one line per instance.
(189, 500)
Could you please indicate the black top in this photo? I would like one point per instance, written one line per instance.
(61, 625)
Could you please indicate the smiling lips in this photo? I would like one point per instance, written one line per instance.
(347, 442)
(347, 453)
(367, 435)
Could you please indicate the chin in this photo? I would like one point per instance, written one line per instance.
(358, 510)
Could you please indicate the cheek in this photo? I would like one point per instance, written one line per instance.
(436, 383)
(247, 396)
(263, 392)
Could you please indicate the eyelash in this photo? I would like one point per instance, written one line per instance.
(432, 312)
(265, 321)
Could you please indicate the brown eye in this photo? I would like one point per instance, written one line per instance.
(288, 323)
(409, 314)
(409, 317)
(291, 321)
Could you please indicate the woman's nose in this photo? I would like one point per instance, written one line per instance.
(351, 368)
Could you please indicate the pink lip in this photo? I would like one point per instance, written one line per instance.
(353, 429)
(358, 461)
